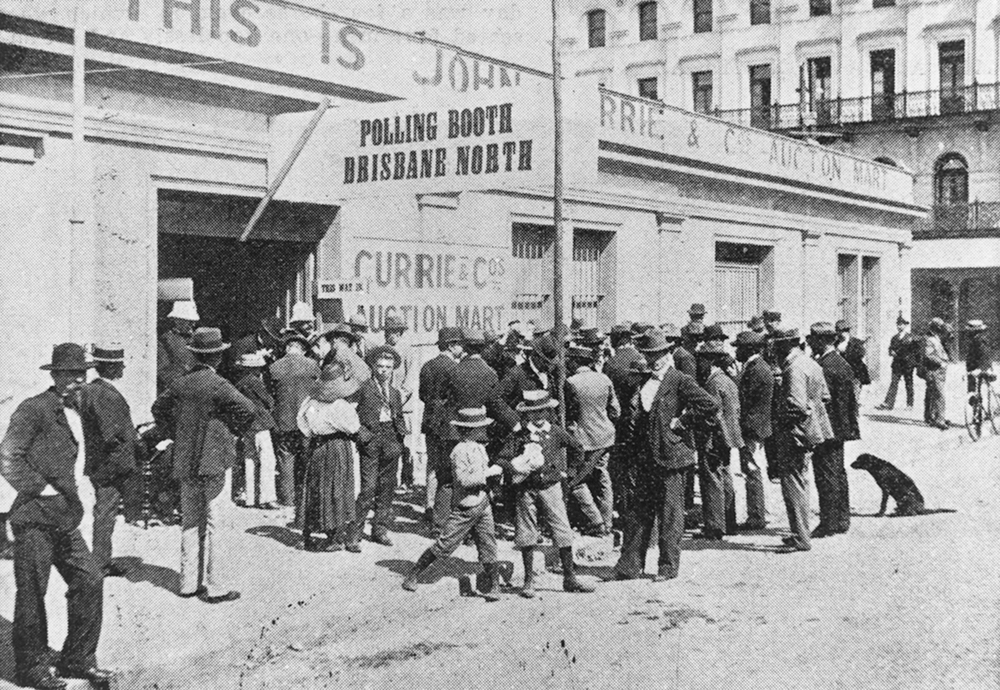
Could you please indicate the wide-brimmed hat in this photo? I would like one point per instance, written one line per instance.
(842, 326)
(771, 316)
(449, 334)
(975, 325)
(207, 340)
(112, 353)
(755, 323)
(393, 323)
(68, 357)
(252, 360)
(184, 309)
(654, 340)
(341, 330)
(750, 339)
(302, 311)
(272, 326)
(539, 399)
(358, 321)
(472, 417)
(376, 353)
(697, 309)
(714, 332)
(901, 319)
(332, 385)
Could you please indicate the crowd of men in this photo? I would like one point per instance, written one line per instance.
(648, 411)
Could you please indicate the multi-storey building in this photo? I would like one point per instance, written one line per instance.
(913, 83)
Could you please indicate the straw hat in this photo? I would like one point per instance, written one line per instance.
(472, 417)
(538, 399)
(252, 360)
(113, 353)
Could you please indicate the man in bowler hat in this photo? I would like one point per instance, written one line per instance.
(903, 350)
(756, 386)
(38, 457)
(435, 376)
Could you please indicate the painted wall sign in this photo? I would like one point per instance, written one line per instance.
(282, 36)
(339, 288)
(715, 145)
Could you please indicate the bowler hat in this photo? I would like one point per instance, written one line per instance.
(538, 399)
(712, 347)
(771, 316)
(332, 385)
(785, 335)
(358, 321)
(755, 323)
(697, 309)
(822, 328)
(545, 347)
(68, 357)
(714, 332)
(184, 309)
(472, 417)
(654, 340)
(109, 353)
(207, 340)
(473, 336)
(749, 339)
(376, 353)
(449, 334)
(393, 323)
(842, 326)
(581, 352)
(591, 336)
(301, 311)
(340, 330)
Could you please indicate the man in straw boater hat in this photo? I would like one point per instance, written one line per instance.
(535, 455)
(435, 375)
(203, 412)
(110, 440)
(756, 386)
(38, 457)
(800, 425)
(173, 358)
(667, 404)
(266, 340)
(470, 509)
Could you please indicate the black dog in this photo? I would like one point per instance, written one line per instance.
(894, 482)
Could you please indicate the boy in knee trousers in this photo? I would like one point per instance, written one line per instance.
(536, 456)
(470, 507)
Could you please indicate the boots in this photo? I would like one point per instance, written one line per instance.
(426, 558)
(353, 537)
(527, 558)
(570, 583)
(491, 587)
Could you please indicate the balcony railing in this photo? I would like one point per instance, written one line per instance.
(880, 108)
(975, 219)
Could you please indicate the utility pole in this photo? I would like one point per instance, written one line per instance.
(557, 206)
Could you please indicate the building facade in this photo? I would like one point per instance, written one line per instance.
(913, 83)
(151, 171)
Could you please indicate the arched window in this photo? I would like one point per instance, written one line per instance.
(596, 28)
(647, 21)
(951, 180)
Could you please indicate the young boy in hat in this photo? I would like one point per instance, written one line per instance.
(536, 456)
(470, 507)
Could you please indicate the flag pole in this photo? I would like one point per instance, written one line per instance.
(557, 210)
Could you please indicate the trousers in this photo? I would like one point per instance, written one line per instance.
(201, 500)
(108, 500)
(905, 373)
(795, 492)
(718, 499)
(752, 458)
(659, 495)
(379, 465)
(257, 465)
(439, 463)
(36, 549)
(288, 448)
(934, 412)
(593, 494)
(831, 485)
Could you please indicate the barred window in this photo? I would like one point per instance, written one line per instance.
(702, 16)
(596, 21)
(647, 21)
(647, 88)
(701, 83)
(760, 12)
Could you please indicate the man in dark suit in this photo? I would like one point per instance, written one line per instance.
(173, 359)
(380, 443)
(109, 439)
(203, 413)
(828, 456)
(853, 351)
(684, 360)
(666, 405)
(756, 386)
(434, 377)
(534, 373)
(623, 370)
(266, 339)
(903, 350)
(38, 457)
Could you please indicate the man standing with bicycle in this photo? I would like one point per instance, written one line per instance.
(978, 361)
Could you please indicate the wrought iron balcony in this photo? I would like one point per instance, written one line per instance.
(954, 221)
(881, 108)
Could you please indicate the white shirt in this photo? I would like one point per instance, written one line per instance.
(649, 389)
(76, 427)
(542, 376)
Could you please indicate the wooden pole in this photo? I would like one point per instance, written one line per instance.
(286, 167)
(557, 209)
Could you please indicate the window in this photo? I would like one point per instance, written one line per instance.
(883, 83)
(647, 88)
(951, 61)
(883, 3)
(760, 96)
(760, 12)
(701, 83)
(818, 8)
(702, 16)
(647, 21)
(815, 93)
(951, 180)
(595, 28)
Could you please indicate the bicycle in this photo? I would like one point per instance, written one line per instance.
(982, 405)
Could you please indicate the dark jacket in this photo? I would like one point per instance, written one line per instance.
(292, 378)
(554, 444)
(203, 412)
(842, 407)
(523, 378)
(978, 355)
(39, 449)
(854, 353)
(904, 350)
(173, 359)
(109, 435)
(720, 386)
(434, 376)
(684, 361)
(756, 393)
(623, 377)
(246, 345)
(678, 397)
(371, 399)
(252, 386)
(474, 384)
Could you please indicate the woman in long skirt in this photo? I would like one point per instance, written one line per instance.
(329, 423)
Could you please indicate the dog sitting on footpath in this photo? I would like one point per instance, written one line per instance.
(897, 484)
